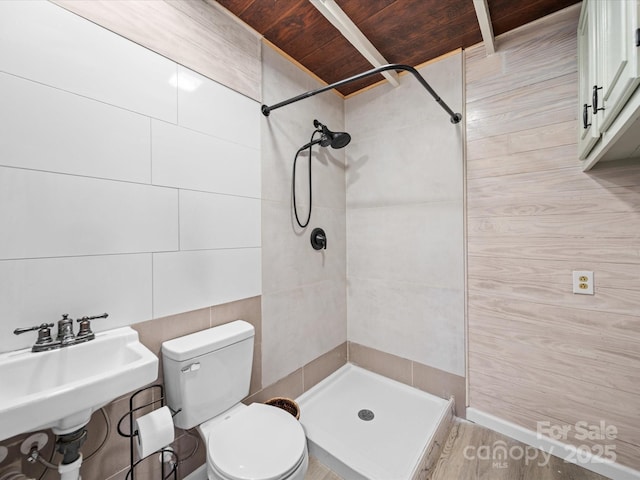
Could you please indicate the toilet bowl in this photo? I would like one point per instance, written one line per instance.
(258, 442)
(207, 374)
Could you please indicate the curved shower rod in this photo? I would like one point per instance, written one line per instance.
(455, 117)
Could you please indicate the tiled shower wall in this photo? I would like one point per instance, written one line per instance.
(405, 218)
(128, 184)
(303, 303)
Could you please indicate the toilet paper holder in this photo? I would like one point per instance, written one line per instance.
(132, 434)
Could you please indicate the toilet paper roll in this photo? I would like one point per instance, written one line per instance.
(155, 431)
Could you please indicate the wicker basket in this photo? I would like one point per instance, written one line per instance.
(285, 404)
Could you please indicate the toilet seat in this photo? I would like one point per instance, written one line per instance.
(259, 442)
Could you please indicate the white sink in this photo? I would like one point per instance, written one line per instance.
(60, 389)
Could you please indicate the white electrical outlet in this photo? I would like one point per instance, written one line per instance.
(583, 282)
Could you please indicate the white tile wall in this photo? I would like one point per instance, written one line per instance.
(43, 42)
(37, 291)
(52, 215)
(409, 104)
(419, 242)
(289, 260)
(184, 281)
(188, 159)
(305, 322)
(45, 128)
(212, 108)
(283, 79)
(303, 302)
(405, 219)
(410, 320)
(209, 220)
(280, 140)
(287, 129)
(98, 192)
(280, 144)
(418, 163)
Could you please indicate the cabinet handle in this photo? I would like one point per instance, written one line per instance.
(585, 116)
(595, 99)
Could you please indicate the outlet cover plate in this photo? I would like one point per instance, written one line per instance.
(583, 282)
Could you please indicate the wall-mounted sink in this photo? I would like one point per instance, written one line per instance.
(60, 389)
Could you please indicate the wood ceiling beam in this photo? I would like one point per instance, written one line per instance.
(349, 30)
(484, 20)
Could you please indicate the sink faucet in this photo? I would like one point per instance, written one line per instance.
(65, 335)
(65, 330)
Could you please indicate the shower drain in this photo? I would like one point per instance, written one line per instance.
(366, 415)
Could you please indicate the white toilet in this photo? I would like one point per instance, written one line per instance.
(206, 375)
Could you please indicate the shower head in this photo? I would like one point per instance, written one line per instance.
(334, 139)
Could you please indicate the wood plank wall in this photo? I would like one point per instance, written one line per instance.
(538, 352)
(197, 34)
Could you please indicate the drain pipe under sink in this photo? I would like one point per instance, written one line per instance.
(70, 471)
(69, 446)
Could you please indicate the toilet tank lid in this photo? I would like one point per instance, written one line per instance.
(207, 341)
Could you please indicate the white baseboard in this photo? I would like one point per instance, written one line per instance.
(567, 452)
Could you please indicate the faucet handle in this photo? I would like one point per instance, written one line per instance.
(85, 331)
(44, 335)
(44, 326)
(83, 319)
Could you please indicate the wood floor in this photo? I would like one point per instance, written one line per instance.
(459, 460)
(318, 471)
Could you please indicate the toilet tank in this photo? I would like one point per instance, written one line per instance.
(207, 372)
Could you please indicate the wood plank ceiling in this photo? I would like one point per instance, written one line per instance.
(404, 31)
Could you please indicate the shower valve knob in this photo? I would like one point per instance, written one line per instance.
(318, 239)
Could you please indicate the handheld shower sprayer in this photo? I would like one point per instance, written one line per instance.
(327, 138)
(334, 139)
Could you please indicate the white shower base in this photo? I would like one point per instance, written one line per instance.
(395, 445)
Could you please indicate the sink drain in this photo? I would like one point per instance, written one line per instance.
(366, 415)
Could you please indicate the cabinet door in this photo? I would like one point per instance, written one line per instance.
(589, 133)
(616, 22)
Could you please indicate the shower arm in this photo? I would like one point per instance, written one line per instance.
(455, 117)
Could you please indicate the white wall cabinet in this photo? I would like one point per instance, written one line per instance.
(609, 74)
(616, 23)
(589, 133)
